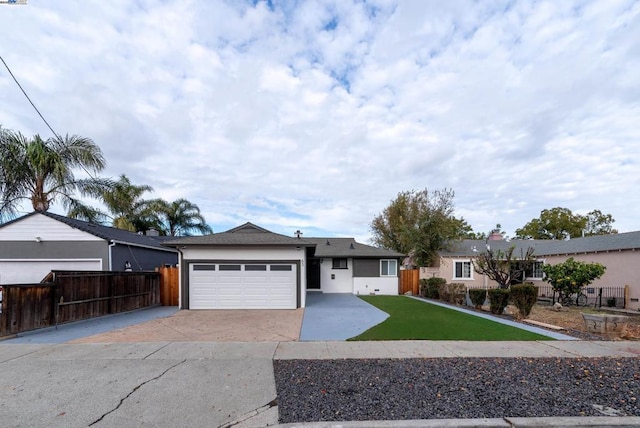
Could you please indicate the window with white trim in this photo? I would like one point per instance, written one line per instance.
(388, 267)
(535, 271)
(339, 264)
(462, 269)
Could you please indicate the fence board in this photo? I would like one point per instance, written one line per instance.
(169, 283)
(410, 281)
(74, 296)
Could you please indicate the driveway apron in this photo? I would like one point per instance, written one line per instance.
(337, 317)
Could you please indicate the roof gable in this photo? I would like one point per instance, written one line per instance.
(247, 234)
(97, 230)
(248, 228)
(36, 226)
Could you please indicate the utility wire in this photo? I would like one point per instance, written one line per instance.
(38, 111)
(29, 99)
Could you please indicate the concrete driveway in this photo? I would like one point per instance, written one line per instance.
(210, 326)
(338, 317)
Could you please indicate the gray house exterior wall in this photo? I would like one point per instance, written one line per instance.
(141, 259)
(56, 250)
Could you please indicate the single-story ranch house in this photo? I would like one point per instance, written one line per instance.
(249, 267)
(620, 253)
(33, 245)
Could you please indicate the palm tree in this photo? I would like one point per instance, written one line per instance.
(128, 210)
(179, 218)
(42, 171)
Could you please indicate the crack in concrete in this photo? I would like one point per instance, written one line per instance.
(122, 400)
(251, 414)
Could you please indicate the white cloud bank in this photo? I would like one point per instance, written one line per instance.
(313, 116)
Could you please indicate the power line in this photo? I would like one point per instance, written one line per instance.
(29, 99)
(38, 111)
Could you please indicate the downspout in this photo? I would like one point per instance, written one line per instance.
(180, 271)
(111, 245)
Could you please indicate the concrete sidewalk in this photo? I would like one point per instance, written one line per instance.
(213, 384)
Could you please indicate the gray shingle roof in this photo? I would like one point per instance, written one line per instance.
(104, 232)
(247, 234)
(348, 247)
(544, 247)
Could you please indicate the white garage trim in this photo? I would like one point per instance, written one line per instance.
(243, 285)
(25, 271)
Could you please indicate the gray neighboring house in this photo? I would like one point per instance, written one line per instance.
(33, 245)
(249, 267)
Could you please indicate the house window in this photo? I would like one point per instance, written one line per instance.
(535, 271)
(462, 270)
(388, 268)
(339, 264)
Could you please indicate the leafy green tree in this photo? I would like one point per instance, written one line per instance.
(466, 231)
(571, 276)
(556, 223)
(178, 218)
(599, 224)
(504, 267)
(42, 170)
(561, 223)
(419, 223)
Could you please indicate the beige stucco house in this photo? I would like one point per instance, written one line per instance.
(620, 253)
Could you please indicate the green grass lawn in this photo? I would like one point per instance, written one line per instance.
(414, 319)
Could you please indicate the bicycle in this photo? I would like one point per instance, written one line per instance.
(580, 300)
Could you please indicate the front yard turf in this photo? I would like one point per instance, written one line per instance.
(411, 319)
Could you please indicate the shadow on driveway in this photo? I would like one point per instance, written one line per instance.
(337, 317)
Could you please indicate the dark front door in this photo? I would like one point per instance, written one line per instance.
(313, 274)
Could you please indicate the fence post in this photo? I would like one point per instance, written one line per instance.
(626, 296)
(110, 287)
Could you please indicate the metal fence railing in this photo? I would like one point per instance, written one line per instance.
(612, 297)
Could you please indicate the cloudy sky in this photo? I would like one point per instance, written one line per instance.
(313, 115)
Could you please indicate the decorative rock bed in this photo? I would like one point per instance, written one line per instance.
(610, 325)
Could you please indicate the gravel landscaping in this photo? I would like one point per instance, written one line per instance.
(401, 389)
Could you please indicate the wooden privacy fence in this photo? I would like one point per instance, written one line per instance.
(409, 281)
(169, 282)
(74, 296)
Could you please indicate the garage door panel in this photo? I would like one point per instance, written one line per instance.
(244, 286)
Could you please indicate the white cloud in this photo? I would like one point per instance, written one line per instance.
(316, 115)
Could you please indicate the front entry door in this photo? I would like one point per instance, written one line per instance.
(313, 274)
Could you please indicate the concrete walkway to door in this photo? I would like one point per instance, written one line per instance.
(337, 317)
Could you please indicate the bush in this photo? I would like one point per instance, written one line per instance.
(524, 296)
(452, 293)
(477, 296)
(611, 302)
(498, 300)
(423, 288)
(431, 287)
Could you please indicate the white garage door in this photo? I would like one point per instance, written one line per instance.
(33, 271)
(242, 286)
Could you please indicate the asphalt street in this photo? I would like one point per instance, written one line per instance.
(204, 384)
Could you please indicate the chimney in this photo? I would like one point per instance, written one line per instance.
(152, 232)
(495, 236)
